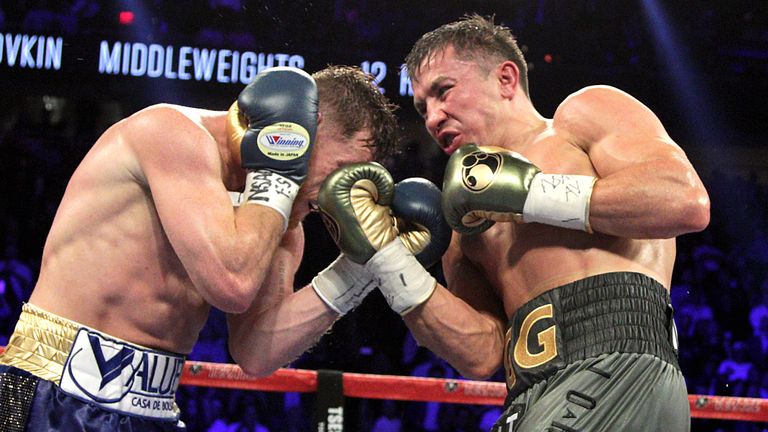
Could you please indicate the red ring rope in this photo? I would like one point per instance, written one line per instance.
(430, 389)
(205, 374)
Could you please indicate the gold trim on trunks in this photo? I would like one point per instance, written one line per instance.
(40, 343)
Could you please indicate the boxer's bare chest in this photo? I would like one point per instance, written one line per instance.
(522, 260)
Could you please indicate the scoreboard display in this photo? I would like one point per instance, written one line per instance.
(49, 63)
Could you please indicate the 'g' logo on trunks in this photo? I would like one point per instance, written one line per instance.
(545, 339)
(479, 169)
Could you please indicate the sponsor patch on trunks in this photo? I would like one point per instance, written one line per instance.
(122, 377)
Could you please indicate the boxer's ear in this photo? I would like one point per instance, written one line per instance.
(508, 75)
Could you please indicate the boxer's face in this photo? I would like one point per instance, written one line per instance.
(331, 151)
(457, 100)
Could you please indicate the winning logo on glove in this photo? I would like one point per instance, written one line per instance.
(283, 141)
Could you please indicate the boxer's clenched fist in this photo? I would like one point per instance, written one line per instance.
(357, 201)
(484, 185)
(420, 222)
(273, 122)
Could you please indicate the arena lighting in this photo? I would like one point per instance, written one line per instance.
(125, 17)
(691, 94)
(142, 27)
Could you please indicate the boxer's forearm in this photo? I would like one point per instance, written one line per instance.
(227, 272)
(659, 199)
(263, 342)
(471, 341)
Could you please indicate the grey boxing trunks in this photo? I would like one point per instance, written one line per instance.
(598, 354)
(56, 374)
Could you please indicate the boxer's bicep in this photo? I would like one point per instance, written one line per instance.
(215, 245)
(640, 168)
(616, 130)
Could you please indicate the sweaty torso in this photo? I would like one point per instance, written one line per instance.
(107, 263)
(521, 261)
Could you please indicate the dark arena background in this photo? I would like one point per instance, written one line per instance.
(70, 69)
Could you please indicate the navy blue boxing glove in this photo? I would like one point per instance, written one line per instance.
(272, 125)
(420, 221)
(423, 234)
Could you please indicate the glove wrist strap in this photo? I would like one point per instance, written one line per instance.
(560, 200)
(236, 198)
(267, 188)
(403, 281)
(343, 285)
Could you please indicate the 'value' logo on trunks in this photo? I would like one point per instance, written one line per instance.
(106, 371)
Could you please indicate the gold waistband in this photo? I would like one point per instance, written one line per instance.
(40, 343)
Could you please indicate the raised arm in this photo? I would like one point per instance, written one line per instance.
(637, 182)
(181, 167)
(646, 187)
(282, 324)
(269, 336)
(226, 251)
(466, 329)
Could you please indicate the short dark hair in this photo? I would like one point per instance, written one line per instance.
(351, 98)
(474, 38)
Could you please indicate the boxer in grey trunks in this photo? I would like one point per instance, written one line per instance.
(612, 336)
(542, 206)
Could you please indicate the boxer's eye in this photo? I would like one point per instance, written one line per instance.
(442, 90)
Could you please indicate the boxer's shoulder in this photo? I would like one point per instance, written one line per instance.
(596, 111)
(577, 112)
(153, 138)
(592, 97)
(166, 117)
(169, 130)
